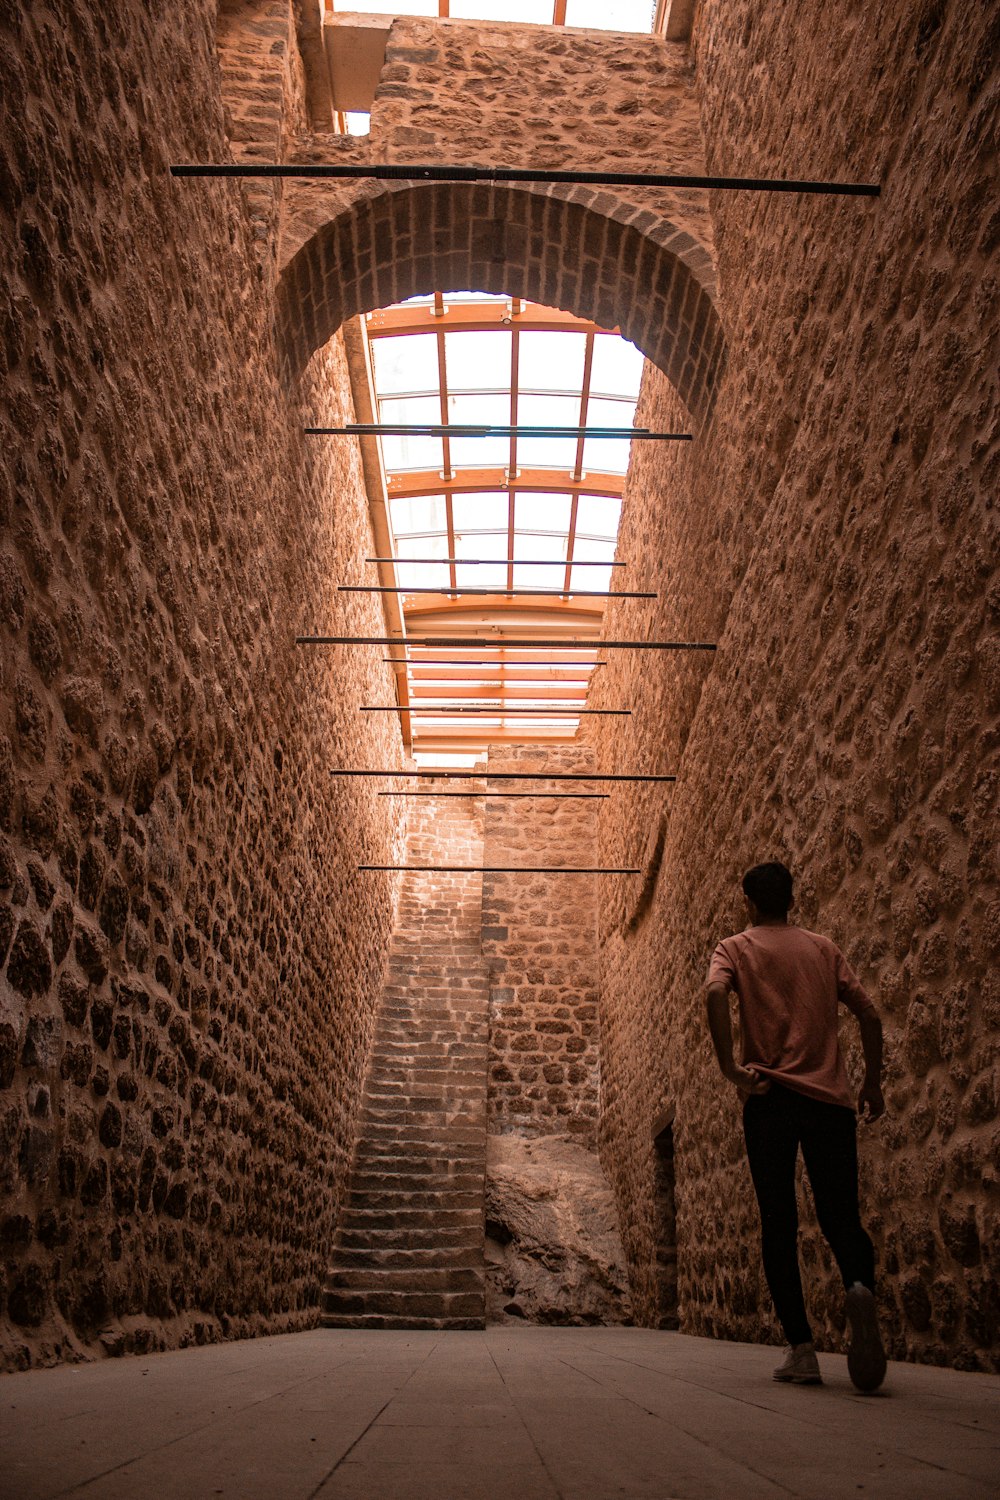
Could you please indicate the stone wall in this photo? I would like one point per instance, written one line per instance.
(189, 962)
(522, 96)
(836, 532)
(540, 943)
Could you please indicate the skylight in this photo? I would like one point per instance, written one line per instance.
(596, 15)
(494, 514)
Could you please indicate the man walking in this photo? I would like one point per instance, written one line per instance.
(788, 983)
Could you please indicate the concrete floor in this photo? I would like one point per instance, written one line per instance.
(532, 1413)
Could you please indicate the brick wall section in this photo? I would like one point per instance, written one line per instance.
(530, 96)
(540, 943)
(188, 963)
(837, 531)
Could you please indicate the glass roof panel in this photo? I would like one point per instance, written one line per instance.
(418, 516)
(537, 554)
(608, 455)
(597, 15)
(405, 366)
(547, 411)
(477, 361)
(617, 368)
(542, 512)
(422, 546)
(597, 516)
(550, 361)
(407, 453)
(423, 575)
(482, 410)
(509, 10)
(592, 578)
(480, 512)
(611, 15)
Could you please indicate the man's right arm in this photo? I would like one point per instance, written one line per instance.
(870, 1101)
(721, 1028)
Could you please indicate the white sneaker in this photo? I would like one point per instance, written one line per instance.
(799, 1366)
(865, 1358)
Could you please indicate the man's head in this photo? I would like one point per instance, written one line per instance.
(768, 889)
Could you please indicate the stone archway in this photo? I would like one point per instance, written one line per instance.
(583, 251)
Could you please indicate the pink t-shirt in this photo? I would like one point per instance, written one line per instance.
(788, 982)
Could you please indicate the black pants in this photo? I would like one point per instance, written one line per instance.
(775, 1125)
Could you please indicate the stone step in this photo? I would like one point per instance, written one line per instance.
(382, 1320)
(435, 1198)
(411, 1218)
(444, 1280)
(364, 1179)
(458, 1143)
(466, 1240)
(404, 1304)
(398, 1257)
(401, 1117)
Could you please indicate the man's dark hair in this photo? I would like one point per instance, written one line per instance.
(769, 887)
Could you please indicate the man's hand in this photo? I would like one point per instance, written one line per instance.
(748, 1080)
(871, 1105)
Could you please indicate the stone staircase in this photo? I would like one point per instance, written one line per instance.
(409, 1246)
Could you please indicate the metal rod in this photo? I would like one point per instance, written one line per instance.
(363, 588)
(466, 430)
(497, 562)
(505, 775)
(512, 796)
(515, 869)
(445, 711)
(414, 172)
(476, 643)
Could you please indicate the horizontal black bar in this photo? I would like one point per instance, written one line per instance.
(499, 562)
(512, 796)
(364, 588)
(505, 775)
(458, 661)
(414, 172)
(515, 869)
(444, 711)
(473, 643)
(466, 430)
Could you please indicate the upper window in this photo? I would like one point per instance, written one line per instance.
(595, 15)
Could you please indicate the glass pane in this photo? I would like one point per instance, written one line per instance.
(611, 15)
(422, 513)
(421, 546)
(481, 511)
(594, 578)
(550, 361)
(483, 452)
(597, 515)
(401, 8)
(547, 411)
(534, 548)
(451, 297)
(542, 512)
(490, 544)
(477, 361)
(585, 549)
(404, 366)
(401, 454)
(617, 367)
(539, 11)
(608, 455)
(423, 575)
